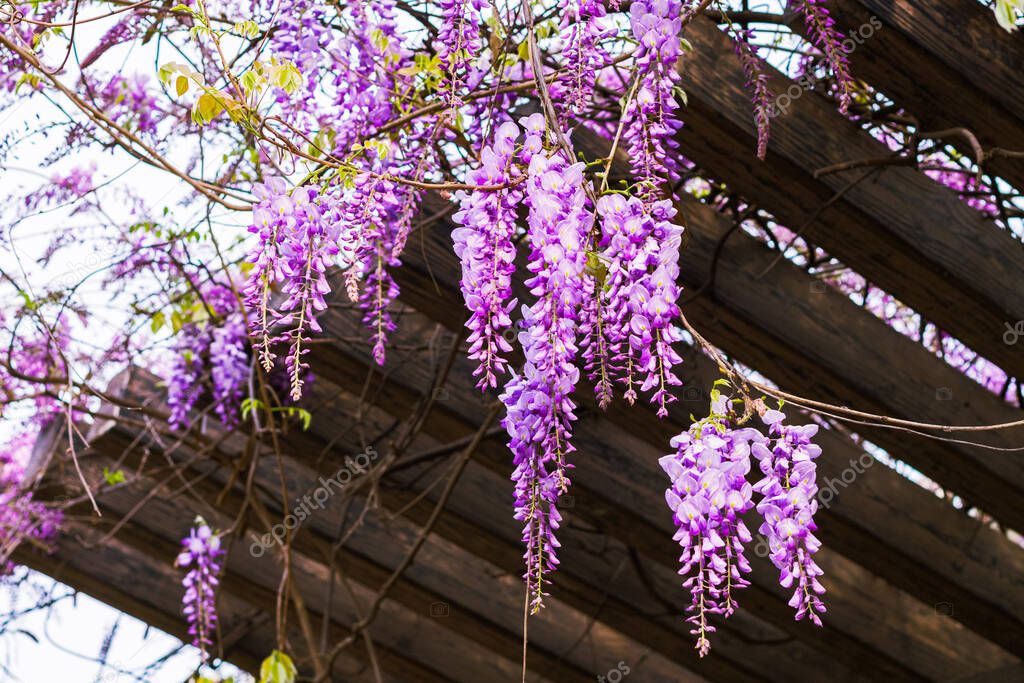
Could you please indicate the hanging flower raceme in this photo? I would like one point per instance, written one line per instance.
(201, 555)
(790, 500)
(296, 245)
(369, 226)
(185, 386)
(708, 494)
(484, 246)
(21, 517)
(757, 84)
(654, 308)
(651, 111)
(229, 368)
(821, 28)
(640, 250)
(539, 404)
(625, 229)
(458, 44)
(583, 29)
(210, 361)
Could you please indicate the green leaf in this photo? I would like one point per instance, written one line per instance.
(181, 85)
(250, 404)
(113, 478)
(278, 668)
(524, 51)
(249, 29)
(159, 320)
(206, 108)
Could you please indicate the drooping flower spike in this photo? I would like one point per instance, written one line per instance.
(789, 491)
(201, 555)
(709, 494)
(540, 410)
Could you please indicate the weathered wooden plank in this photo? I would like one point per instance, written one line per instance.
(623, 617)
(899, 228)
(938, 96)
(965, 36)
(130, 573)
(111, 579)
(789, 365)
(877, 363)
(407, 608)
(614, 466)
(811, 340)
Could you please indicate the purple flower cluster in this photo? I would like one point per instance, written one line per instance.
(708, 494)
(229, 367)
(366, 65)
(126, 100)
(821, 28)
(301, 35)
(540, 408)
(651, 113)
(583, 29)
(789, 488)
(458, 44)
(185, 387)
(210, 360)
(484, 246)
(757, 83)
(120, 33)
(295, 247)
(21, 518)
(369, 230)
(640, 247)
(201, 555)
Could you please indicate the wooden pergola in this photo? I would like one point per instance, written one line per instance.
(918, 589)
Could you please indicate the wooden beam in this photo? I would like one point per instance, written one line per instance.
(939, 95)
(807, 367)
(407, 606)
(900, 229)
(966, 38)
(616, 469)
(580, 599)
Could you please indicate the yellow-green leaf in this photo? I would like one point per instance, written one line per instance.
(181, 85)
(278, 668)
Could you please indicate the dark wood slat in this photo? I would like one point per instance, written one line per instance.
(938, 95)
(966, 37)
(407, 607)
(610, 469)
(905, 232)
(795, 369)
(588, 597)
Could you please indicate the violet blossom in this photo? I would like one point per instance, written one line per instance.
(458, 44)
(789, 491)
(538, 401)
(201, 555)
(651, 112)
(708, 494)
(823, 33)
(484, 246)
